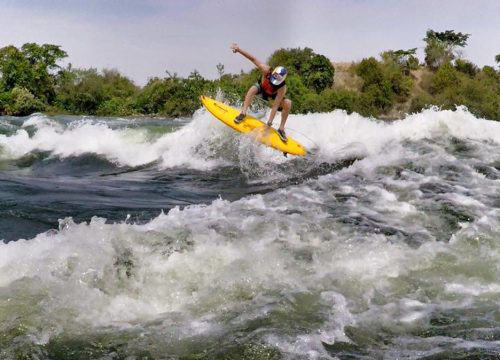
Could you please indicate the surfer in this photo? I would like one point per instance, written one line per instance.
(270, 86)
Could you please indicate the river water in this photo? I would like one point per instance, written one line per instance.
(179, 239)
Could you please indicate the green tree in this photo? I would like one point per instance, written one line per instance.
(87, 91)
(33, 67)
(292, 59)
(340, 99)
(172, 96)
(370, 71)
(318, 73)
(117, 85)
(83, 92)
(152, 97)
(378, 90)
(406, 59)
(315, 71)
(183, 95)
(13, 68)
(442, 47)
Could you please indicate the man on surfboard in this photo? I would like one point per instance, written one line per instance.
(270, 86)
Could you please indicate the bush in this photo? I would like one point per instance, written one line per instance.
(401, 86)
(22, 103)
(420, 102)
(152, 97)
(116, 107)
(445, 77)
(379, 85)
(4, 102)
(466, 67)
(297, 92)
(80, 91)
(370, 71)
(341, 99)
(490, 72)
(376, 98)
(85, 91)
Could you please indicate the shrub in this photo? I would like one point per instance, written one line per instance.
(4, 102)
(297, 92)
(115, 107)
(23, 102)
(420, 102)
(377, 98)
(370, 71)
(445, 77)
(152, 97)
(466, 67)
(341, 99)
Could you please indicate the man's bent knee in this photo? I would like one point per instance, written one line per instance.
(253, 90)
(287, 104)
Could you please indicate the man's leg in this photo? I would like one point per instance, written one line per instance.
(248, 100)
(286, 105)
(249, 97)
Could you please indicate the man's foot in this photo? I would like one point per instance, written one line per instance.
(239, 118)
(282, 135)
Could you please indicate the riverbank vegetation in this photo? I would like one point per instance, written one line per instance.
(388, 87)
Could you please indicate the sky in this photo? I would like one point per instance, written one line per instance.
(146, 38)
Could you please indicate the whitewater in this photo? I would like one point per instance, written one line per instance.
(147, 238)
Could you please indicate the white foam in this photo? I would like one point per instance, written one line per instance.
(206, 261)
(330, 130)
(205, 143)
(474, 289)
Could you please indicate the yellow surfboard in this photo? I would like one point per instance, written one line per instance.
(252, 126)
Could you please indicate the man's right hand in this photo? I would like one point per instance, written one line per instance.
(235, 48)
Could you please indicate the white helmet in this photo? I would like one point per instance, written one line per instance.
(278, 75)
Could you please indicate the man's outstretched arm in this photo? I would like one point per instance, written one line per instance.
(264, 68)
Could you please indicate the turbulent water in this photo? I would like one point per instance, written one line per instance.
(179, 239)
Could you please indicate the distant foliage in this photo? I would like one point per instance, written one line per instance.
(31, 80)
(370, 70)
(32, 67)
(450, 86)
(442, 47)
(318, 73)
(466, 67)
(406, 59)
(22, 102)
(292, 59)
(315, 71)
(446, 77)
(384, 83)
(87, 91)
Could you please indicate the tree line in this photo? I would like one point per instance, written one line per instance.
(32, 81)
